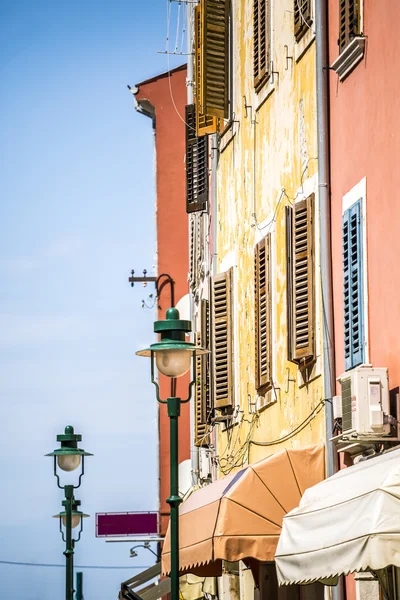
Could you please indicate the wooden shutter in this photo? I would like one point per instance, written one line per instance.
(196, 165)
(204, 124)
(222, 339)
(262, 312)
(261, 41)
(353, 287)
(303, 280)
(289, 279)
(349, 22)
(203, 406)
(302, 18)
(214, 58)
(192, 254)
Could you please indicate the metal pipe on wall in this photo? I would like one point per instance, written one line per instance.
(324, 195)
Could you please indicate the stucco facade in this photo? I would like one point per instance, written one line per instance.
(268, 160)
(153, 97)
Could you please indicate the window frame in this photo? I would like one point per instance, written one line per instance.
(354, 195)
(263, 312)
(304, 19)
(303, 354)
(221, 400)
(203, 393)
(262, 75)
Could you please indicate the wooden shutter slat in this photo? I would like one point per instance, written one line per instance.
(303, 281)
(302, 18)
(203, 398)
(222, 339)
(353, 287)
(205, 124)
(262, 313)
(214, 61)
(261, 41)
(196, 164)
(349, 21)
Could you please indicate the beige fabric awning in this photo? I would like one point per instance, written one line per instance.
(240, 516)
(347, 523)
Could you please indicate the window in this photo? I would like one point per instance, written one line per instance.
(262, 314)
(214, 59)
(261, 41)
(353, 286)
(222, 339)
(302, 18)
(196, 165)
(204, 123)
(350, 40)
(349, 22)
(300, 281)
(203, 398)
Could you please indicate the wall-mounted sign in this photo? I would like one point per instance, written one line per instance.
(128, 523)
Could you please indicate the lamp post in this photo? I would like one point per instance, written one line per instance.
(173, 356)
(68, 458)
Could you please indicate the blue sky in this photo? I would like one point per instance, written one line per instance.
(76, 214)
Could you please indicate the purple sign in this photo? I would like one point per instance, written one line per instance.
(128, 523)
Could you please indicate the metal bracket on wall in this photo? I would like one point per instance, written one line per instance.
(272, 79)
(287, 57)
(288, 379)
(160, 282)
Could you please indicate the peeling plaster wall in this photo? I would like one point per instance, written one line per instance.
(268, 158)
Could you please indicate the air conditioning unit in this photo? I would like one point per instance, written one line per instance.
(365, 402)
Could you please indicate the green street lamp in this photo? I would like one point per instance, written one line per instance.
(68, 457)
(173, 356)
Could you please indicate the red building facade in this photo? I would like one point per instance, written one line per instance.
(163, 99)
(365, 212)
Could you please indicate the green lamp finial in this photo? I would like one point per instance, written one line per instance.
(172, 314)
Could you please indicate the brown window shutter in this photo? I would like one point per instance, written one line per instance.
(204, 124)
(222, 339)
(261, 41)
(302, 18)
(192, 254)
(289, 279)
(214, 61)
(349, 21)
(196, 165)
(303, 280)
(263, 313)
(203, 406)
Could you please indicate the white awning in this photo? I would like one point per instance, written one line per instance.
(349, 522)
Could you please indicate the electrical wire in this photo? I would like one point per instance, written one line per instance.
(297, 429)
(30, 564)
(168, 67)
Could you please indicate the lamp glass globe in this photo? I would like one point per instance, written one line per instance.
(69, 462)
(173, 363)
(75, 520)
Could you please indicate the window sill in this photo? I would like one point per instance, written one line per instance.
(265, 91)
(227, 135)
(265, 399)
(349, 58)
(304, 43)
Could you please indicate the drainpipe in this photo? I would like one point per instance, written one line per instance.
(322, 82)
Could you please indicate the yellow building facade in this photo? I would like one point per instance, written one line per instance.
(260, 242)
(252, 173)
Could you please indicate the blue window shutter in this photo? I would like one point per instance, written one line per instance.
(353, 287)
